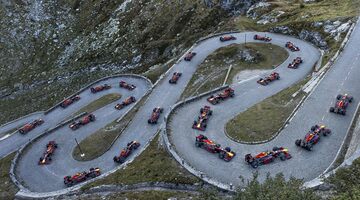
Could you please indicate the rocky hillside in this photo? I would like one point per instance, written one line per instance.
(49, 49)
(60, 46)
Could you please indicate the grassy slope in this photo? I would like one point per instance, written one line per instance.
(157, 40)
(152, 165)
(99, 103)
(7, 188)
(299, 17)
(143, 195)
(211, 73)
(264, 119)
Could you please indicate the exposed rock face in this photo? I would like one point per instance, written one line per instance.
(282, 29)
(235, 7)
(313, 37)
(336, 28)
(253, 10)
(270, 18)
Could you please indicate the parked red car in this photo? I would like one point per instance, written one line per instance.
(69, 101)
(85, 120)
(127, 86)
(50, 149)
(81, 176)
(100, 88)
(30, 126)
(126, 151)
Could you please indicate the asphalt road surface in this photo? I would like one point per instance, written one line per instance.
(50, 177)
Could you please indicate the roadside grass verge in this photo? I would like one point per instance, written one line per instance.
(152, 165)
(99, 142)
(7, 188)
(99, 103)
(144, 195)
(263, 120)
(156, 71)
(211, 73)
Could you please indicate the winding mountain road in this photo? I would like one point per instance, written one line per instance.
(340, 79)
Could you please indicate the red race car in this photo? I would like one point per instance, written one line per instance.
(155, 115)
(175, 77)
(127, 86)
(312, 137)
(69, 101)
(258, 37)
(126, 151)
(341, 104)
(215, 99)
(189, 56)
(81, 176)
(50, 149)
(30, 126)
(201, 122)
(100, 88)
(295, 63)
(273, 76)
(267, 157)
(126, 102)
(227, 38)
(85, 120)
(291, 46)
(224, 154)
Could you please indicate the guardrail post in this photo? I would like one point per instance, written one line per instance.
(231, 186)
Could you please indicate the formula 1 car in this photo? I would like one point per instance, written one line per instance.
(273, 76)
(267, 157)
(175, 77)
(126, 151)
(227, 38)
(69, 101)
(85, 120)
(126, 102)
(189, 56)
(50, 149)
(312, 137)
(291, 46)
(341, 104)
(100, 88)
(81, 176)
(295, 63)
(30, 126)
(258, 37)
(210, 146)
(215, 99)
(127, 86)
(155, 115)
(201, 122)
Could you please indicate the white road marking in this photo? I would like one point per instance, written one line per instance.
(346, 78)
(322, 119)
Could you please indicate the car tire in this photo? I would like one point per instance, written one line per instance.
(282, 157)
(338, 97)
(298, 142)
(332, 109)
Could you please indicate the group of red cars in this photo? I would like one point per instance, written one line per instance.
(201, 141)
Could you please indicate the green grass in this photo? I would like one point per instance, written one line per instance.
(98, 143)
(144, 195)
(211, 73)
(7, 188)
(346, 182)
(261, 121)
(157, 71)
(152, 165)
(99, 103)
